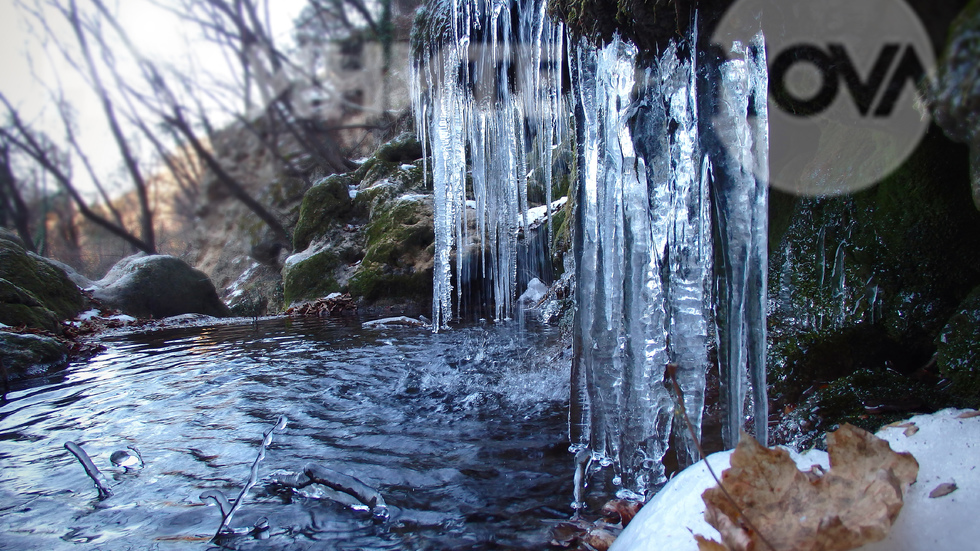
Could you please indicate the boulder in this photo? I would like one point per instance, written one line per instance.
(33, 291)
(368, 232)
(327, 204)
(400, 251)
(158, 286)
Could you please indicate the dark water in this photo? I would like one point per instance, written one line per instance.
(464, 434)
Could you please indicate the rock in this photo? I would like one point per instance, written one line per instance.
(34, 292)
(307, 275)
(368, 232)
(944, 447)
(869, 281)
(958, 350)
(27, 355)
(158, 286)
(405, 148)
(327, 203)
(398, 260)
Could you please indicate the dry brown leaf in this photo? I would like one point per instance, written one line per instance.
(911, 429)
(599, 539)
(776, 505)
(943, 489)
(704, 544)
(968, 414)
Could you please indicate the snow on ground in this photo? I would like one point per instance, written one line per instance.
(946, 446)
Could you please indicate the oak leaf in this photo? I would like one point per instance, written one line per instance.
(772, 504)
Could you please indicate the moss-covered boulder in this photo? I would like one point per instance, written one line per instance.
(326, 205)
(398, 259)
(158, 286)
(310, 275)
(958, 351)
(34, 292)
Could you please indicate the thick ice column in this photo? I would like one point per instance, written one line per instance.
(736, 123)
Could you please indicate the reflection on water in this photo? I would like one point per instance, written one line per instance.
(463, 432)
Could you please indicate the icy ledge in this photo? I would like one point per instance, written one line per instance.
(946, 446)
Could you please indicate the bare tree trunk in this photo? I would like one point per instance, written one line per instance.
(131, 165)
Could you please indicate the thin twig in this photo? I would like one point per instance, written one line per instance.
(253, 475)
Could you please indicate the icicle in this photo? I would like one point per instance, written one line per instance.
(739, 154)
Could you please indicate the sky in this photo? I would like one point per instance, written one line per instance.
(158, 34)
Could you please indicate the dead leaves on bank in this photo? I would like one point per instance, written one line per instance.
(770, 504)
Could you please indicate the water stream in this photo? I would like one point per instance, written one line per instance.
(464, 433)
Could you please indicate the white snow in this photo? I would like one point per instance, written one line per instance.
(536, 215)
(536, 290)
(946, 447)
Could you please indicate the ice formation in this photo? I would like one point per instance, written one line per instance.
(489, 105)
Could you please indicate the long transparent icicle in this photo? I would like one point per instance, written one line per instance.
(739, 153)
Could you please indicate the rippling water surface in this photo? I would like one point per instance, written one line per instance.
(464, 434)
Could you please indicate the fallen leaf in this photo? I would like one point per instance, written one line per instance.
(911, 429)
(599, 539)
(968, 414)
(943, 489)
(620, 511)
(772, 504)
(566, 533)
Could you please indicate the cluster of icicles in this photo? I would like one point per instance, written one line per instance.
(654, 184)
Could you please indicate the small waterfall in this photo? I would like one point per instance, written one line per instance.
(670, 211)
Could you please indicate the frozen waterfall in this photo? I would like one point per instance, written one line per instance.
(670, 211)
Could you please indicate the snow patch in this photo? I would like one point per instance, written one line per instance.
(946, 447)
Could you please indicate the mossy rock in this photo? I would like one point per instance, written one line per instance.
(868, 398)
(390, 184)
(20, 307)
(404, 148)
(400, 249)
(158, 286)
(891, 263)
(958, 351)
(310, 277)
(42, 286)
(374, 170)
(327, 203)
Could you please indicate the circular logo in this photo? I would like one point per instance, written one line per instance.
(843, 76)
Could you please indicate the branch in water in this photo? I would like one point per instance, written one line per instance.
(101, 482)
(252, 478)
(349, 485)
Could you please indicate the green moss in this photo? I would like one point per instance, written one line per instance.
(327, 203)
(311, 277)
(400, 247)
(958, 350)
(20, 307)
(48, 288)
